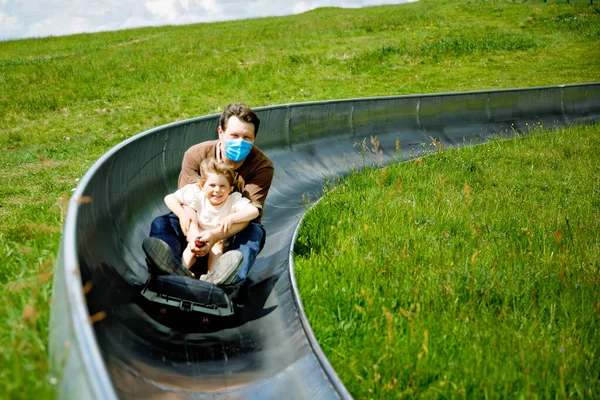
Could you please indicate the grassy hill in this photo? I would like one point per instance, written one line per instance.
(64, 101)
(468, 273)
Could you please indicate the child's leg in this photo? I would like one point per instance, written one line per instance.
(188, 258)
(193, 231)
(215, 253)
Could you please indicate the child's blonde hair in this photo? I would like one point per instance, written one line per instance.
(212, 166)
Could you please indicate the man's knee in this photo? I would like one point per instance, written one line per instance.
(256, 234)
(164, 224)
(159, 224)
(251, 237)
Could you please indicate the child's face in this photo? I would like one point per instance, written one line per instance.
(216, 189)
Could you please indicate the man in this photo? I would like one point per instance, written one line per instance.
(238, 127)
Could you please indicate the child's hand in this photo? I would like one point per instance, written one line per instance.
(198, 242)
(225, 225)
(209, 241)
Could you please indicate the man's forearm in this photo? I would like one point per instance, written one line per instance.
(234, 230)
(189, 211)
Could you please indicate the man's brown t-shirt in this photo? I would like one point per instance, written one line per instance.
(254, 176)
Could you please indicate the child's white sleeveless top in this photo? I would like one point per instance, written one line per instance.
(209, 215)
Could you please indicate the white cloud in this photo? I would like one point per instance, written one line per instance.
(9, 23)
(58, 26)
(211, 7)
(35, 18)
(163, 9)
(301, 7)
(185, 5)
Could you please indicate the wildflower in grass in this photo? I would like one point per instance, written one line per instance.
(558, 235)
(424, 348)
(99, 316)
(389, 319)
(82, 199)
(435, 143)
(467, 193)
(29, 315)
(474, 257)
(527, 232)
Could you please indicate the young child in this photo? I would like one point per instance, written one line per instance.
(216, 208)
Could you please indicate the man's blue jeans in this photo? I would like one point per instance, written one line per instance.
(249, 241)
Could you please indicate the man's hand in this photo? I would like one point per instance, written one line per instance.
(209, 239)
(213, 236)
(225, 225)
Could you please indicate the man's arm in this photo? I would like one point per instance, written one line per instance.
(192, 158)
(189, 170)
(185, 217)
(212, 236)
(246, 214)
(257, 189)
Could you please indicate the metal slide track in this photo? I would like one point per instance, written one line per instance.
(120, 352)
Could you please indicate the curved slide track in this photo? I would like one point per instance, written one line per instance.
(105, 345)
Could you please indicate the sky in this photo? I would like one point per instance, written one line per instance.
(40, 18)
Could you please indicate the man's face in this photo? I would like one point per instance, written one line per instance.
(236, 129)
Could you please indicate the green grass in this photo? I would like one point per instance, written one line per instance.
(470, 272)
(64, 101)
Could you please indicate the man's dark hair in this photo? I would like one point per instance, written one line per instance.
(243, 112)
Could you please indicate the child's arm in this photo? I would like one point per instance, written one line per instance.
(246, 214)
(174, 205)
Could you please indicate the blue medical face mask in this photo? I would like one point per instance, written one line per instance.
(237, 149)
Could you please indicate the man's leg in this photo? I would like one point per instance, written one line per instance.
(249, 242)
(167, 228)
(164, 247)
